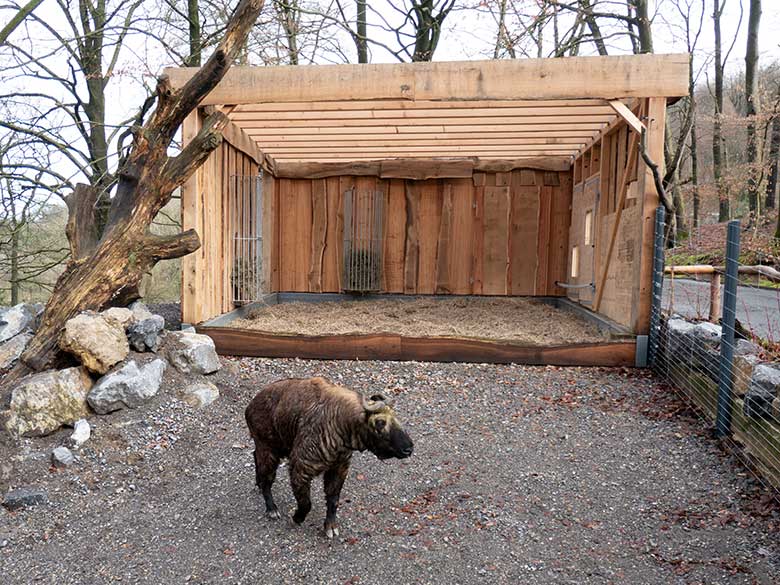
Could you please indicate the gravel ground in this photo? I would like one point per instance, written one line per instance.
(520, 475)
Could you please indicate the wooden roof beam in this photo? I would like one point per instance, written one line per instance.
(608, 77)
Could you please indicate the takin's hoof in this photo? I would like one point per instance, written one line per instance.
(273, 515)
(331, 531)
(298, 518)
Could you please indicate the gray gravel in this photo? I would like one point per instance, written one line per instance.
(520, 475)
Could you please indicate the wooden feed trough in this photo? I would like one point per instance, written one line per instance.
(500, 178)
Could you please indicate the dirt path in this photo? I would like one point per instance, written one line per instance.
(520, 475)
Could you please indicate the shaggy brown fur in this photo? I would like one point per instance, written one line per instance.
(317, 425)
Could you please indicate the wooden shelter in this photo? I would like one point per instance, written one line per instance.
(504, 177)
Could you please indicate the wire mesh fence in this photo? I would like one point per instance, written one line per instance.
(246, 218)
(364, 213)
(705, 342)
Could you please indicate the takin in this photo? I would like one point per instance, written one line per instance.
(317, 425)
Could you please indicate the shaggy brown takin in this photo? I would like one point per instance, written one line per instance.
(317, 425)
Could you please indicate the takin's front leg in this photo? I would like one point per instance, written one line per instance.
(301, 486)
(333, 481)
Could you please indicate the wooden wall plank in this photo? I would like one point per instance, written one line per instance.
(395, 236)
(429, 219)
(559, 235)
(461, 241)
(334, 238)
(443, 251)
(496, 229)
(319, 212)
(412, 249)
(523, 235)
(477, 254)
(543, 241)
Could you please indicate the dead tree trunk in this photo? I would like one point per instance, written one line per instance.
(106, 268)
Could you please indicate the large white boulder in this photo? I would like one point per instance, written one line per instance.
(192, 353)
(44, 402)
(127, 387)
(97, 342)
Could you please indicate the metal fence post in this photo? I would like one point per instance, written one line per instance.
(658, 284)
(725, 378)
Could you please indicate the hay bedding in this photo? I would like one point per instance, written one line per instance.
(522, 321)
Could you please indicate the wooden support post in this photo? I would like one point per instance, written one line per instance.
(643, 279)
(715, 302)
(191, 213)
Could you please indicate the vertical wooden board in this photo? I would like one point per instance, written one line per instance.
(429, 218)
(543, 241)
(643, 270)
(479, 179)
(527, 177)
(286, 234)
(333, 238)
(461, 242)
(559, 236)
(221, 281)
(412, 245)
(189, 214)
(524, 234)
(395, 237)
(503, 179)
(268, 230)
(478, 240)
(496, 234)
(490, 179)
(622, 159)
(444, 245)
(319, 218)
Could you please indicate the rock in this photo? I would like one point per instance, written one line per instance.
(745, 347)
(145, 335)
(119, 316)
(16, 319)
(62, 457)
(11, 350)
(96, 342)
(44, 402)
(743, 372)
(81, 433)
(25, 496)
(192, 353)
(764, 388)
(708, 334)
(127, 387)
(767, 377)
(680, 336)
(200, 394)
(758, 403)
(140, 311)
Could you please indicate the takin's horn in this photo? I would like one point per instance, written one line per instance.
(376, 402)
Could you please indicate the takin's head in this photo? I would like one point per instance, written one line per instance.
(385, 437)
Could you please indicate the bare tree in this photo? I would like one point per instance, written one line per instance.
(751, 97)
(107, 265)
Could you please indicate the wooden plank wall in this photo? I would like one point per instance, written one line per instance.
(597, 175)
(441, 236)
(208, 206)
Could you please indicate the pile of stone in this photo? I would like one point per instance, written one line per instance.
(695, 347)
(123, 355)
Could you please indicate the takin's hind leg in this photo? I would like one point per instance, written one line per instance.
(265, 475)
(301, 486)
